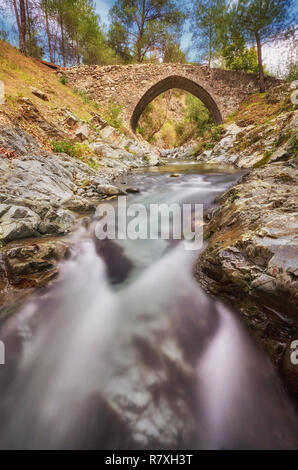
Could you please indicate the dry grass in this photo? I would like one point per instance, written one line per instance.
(260, 108)
(19, 73)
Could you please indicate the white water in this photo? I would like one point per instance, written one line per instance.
(155, 364)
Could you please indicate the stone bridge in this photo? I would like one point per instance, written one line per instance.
(135, 86)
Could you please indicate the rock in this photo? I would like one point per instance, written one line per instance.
(165, 153)
(71, 120)
(130, 189)
(40, 94)
(252, 255)
(15, 138)
(19, 212)
(227, 142)
(175, 175)
(3, 209)
(108, 189)
(41, 191)
(17, 223)
(82, 133)
(151, 158)
(246, 145)
(98, 121)
(34, 263)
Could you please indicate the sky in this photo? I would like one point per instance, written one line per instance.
(102, 8)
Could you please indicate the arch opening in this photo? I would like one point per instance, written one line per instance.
(182, 83)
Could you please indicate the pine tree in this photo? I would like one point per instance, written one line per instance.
(146, 23)
(262, 21)
(208, 22)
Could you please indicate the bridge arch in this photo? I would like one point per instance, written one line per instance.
(176, 81)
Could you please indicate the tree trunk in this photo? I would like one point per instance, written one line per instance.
(21, 22)
(62, 40)
(210, 47)
(48, 32)
(73, 52)
(260, 63)
(141, 33)
(23, 27)
(28, 18)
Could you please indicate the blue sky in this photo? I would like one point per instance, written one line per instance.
(102, 8)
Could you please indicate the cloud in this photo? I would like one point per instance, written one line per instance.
(103, 8)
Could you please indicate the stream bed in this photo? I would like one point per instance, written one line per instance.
(124, 350)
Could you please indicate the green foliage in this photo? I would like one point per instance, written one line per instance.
(266, 18)
(77, 150)
(143, 26)
(64, 146)
(113, 114)
(154, 117)
(173, 54)
(197, 112)
(81, 150)
(65, 31)
(118, 40)
(157, 126)
(209, 20)
(92, 162)
(261, 21)
(293, 146)
(292, 74)
(141, 131)
(238, 57)
(63, 79)
(196, 121)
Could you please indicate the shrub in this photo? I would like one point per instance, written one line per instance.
(77, 150)
(64, 146)
(292, 74)
(113, 114)
(63, 79)
(82, 149)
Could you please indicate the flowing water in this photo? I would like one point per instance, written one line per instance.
(126, 351)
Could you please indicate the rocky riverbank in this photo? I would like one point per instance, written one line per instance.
(252, 255)
(45, 194)
(251, 259)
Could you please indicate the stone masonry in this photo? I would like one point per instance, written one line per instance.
(134, 86)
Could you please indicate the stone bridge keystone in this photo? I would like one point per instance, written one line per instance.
(135, 86)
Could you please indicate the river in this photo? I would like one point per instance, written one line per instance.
(124, 350)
